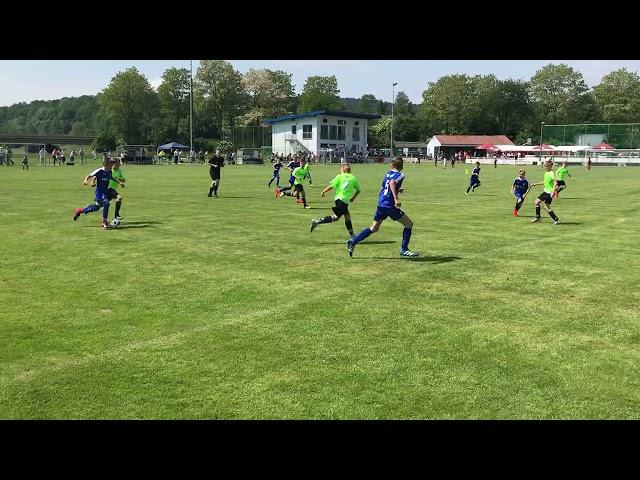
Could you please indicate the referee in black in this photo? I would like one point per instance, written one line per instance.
(215, 164)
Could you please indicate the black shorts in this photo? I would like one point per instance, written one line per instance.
(111, 194)
(561, 182)
(545, 197)
(214, 174)
(341, 208)
(299, 188)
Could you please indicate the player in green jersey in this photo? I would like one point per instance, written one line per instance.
(561, 174)
(298, 175)
(117, 180)
(307, 168)
(550, 185)
(347, 189)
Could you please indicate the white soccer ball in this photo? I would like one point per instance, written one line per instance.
(115, 222)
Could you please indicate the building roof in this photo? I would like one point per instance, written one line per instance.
(472, 140)
(410, 144)
(334, 113)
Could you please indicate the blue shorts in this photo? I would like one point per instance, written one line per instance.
(384, 212)
(474, 181)
(519, 196)
(102, 197)
(292, 179)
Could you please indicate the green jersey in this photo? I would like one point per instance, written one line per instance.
(307, 168)
(119, 174)
(561, 173)
(346, 185)
(549, 178)
(299, 174)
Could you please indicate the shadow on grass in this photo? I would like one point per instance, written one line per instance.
(381, 242)
(150, 222)
(569, 223)
(435, 259)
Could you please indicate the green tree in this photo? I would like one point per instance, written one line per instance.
(129, 102)
(451, 103)
(380, 132)
(219, 94)
(269, 94)
(367, 103)
(173, 96)
(559, 94)
(618, 96)
(403, 105)
(320, 93)
(105, 141)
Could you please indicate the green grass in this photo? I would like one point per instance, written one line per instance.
(229, 308)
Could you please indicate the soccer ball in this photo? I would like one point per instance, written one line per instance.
(115, 222)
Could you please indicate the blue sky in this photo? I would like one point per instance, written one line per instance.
(28, 80)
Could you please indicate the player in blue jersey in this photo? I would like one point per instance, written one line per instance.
(519, 189)
(292, 165)
(389, 206)
(102, 177)
(276, 173)
(474, 181)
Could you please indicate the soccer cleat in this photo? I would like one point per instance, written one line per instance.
(278, 193)
(556, 222)
(215, 195)
(515, 212)
(119, 217)
(311, 185)
(408, 253)
(299, 201)
(466, 193)
(537, 219)
(314, 224)
(281, 194)
(307, 206)
(105, 224)
(350, 247)
(76, 213)
(209, 195)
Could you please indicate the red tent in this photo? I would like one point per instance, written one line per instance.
(486, 146)
(602, 146)
(544, 146)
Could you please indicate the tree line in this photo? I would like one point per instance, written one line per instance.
(129, 110)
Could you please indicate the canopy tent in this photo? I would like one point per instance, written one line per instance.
(171, 146)
(544, 147)
(602, 147)
(486, 146)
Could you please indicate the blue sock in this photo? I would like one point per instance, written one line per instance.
(362, 235)
(91, 208)
(406, 236)
(105, 210)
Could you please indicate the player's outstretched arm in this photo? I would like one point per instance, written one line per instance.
(326, 189)
(86, 180)
(355, 195)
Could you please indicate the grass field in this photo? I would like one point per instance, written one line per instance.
(229, 308)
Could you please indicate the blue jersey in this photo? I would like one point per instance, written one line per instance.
(102, 179)
(520, 186)
(385, 199)
(293, 165)
(276, 167)
(476, 172)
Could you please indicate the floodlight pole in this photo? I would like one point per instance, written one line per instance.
(393, 102)
(191, 108)
(540, 153)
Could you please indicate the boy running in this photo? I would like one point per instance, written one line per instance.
(102, 176)
(561, 174)
(389, 206)
(550, 185)
(307, 167)
(215, 164)
(292, 165)
(474, 180)
(298, 175)
(276, 172)
(347, 189)
(519, 189)
(117, 179)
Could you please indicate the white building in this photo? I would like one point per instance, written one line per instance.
(320, 130)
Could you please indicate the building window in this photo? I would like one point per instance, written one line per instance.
(324, 145)
(324, 120)
(324, 132)
(342, 122)
(307, 132)
(293, 129)
(356, 134)
(341, 132)
(333, 132)
(357, 123)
